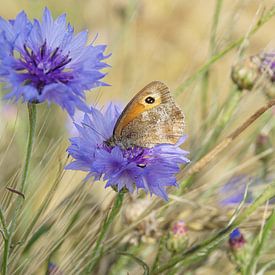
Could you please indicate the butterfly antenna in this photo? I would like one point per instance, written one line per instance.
(98, 97)
(89, 126)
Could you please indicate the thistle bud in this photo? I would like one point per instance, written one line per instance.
(236, 240)
(238, 248)
(245, 73)
(177, 240)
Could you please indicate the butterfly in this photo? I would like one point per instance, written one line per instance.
(150, 118)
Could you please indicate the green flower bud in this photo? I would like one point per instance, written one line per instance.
(177, 240)
(245, 73)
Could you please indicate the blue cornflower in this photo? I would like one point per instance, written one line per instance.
(233, 191)
(150, 169)
(46, 61)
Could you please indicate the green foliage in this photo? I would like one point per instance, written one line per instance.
(259, 244)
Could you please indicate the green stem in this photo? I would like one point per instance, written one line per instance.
(3, 223)
(265, 18)
(227, 112)
(120, 262)
(212, 51)
(45, 203)
(159, 253)
(214, 27)
(97, 252)
(200, 251)
(22, 187)
(222, 123)
(138, 260)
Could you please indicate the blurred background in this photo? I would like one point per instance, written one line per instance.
(165, 40)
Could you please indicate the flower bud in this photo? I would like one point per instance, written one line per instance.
(245, 73)
(177, 240)
(236, 240)
(239, 251)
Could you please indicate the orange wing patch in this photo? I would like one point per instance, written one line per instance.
(129, 116)
(136, 110)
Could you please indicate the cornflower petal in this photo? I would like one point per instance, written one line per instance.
(150, 169)
(46, 61)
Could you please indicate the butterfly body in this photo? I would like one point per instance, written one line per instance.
(150, 118)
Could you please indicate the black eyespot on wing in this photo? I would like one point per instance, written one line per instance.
(149, 100)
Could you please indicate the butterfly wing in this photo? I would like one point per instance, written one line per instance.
(150, 118)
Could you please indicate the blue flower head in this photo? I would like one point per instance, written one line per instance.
(150, 169)
(233, 191)
(235, 234)
(46, 61)
(268, 64)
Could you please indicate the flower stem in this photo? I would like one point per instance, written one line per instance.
(212, 51)
(3, 223)
(228, 111)
(97, 252)
(228, 140)
(159, 253)
(19, 201)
